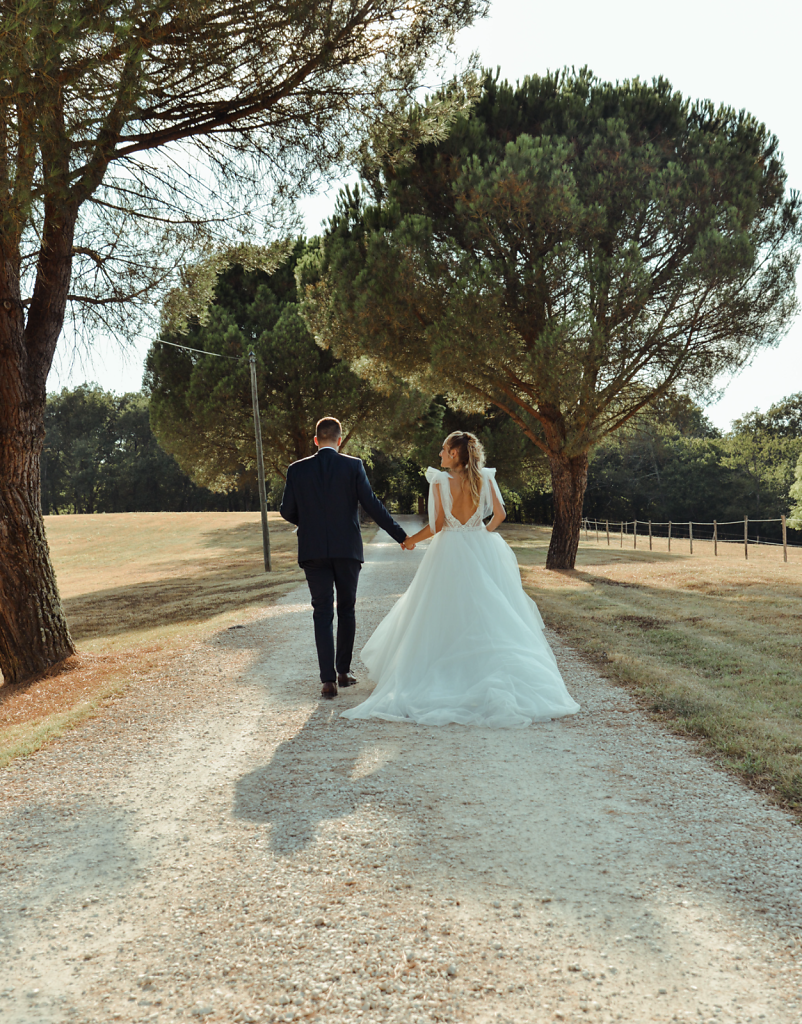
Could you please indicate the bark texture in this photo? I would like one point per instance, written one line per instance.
(33, 629)
(569, 478)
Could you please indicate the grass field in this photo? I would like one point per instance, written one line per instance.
(714, 644)
(137, 588)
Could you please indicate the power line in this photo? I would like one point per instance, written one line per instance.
(200, 351)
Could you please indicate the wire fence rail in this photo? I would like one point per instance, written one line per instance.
(630, 529)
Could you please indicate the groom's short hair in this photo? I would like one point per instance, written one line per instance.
(328, 429)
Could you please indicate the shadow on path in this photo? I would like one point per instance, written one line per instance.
(321, 774)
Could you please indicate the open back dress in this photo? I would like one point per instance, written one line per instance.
(465, 643)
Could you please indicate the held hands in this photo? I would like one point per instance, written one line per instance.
(408, 544)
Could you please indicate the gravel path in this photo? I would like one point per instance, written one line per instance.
(221, 846)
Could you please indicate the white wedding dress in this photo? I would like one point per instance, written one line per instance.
(464, 644)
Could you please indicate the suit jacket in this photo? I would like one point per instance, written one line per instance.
(321, 496)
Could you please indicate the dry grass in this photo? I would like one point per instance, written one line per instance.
(714, 644)
(137, 588)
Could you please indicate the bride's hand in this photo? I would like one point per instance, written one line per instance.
(408, 545)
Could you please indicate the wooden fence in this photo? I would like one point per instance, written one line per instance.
(651, 530)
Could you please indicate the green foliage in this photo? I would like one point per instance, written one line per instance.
(100, 456)
(571, 251)
(763, 448)
(201, 407)
(78, 446)
(400, 481)
(653, 469)
(670, 464)
(795, 518)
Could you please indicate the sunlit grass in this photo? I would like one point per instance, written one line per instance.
(714, 644)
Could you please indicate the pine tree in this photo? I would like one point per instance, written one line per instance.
(201, 408)
(571, 251)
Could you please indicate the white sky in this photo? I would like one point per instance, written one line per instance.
(740, 54)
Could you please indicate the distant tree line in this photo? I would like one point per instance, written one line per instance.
(670, 463)
(100, 455)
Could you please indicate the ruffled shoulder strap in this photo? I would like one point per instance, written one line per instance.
(437, 476)
(490, 485)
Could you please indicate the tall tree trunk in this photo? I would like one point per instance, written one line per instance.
(33, 629)
(569, 478)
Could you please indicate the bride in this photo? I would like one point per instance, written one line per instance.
(464, 644)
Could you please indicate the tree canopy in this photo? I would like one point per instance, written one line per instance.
(142, 134)
(573, 250)
(762, 449)
(201, 407)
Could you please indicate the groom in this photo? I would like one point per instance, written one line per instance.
(321, 497)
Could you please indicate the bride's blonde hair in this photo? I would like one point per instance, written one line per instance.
(471, 456)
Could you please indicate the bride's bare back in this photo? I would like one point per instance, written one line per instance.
(462, 504)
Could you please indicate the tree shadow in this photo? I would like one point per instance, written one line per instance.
(244, 536)
(194, 597)
(9, 693)
(618, 558)
(593, 556)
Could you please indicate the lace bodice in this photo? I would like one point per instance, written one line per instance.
(474, 523)
(483, 509)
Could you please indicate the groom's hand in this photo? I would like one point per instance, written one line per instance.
(407, 545)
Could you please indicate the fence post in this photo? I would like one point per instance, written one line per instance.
(785, 542)
(746, 537)
(650, 535)
(715, 537)
(669, 535)
(690, 534)
(635, 535)
(607, 527)
(597, 531)
(622, 534)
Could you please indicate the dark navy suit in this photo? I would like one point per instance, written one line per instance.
(321, 496)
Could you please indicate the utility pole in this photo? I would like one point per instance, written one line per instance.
(260, 465)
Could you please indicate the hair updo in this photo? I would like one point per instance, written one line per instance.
(471, 456)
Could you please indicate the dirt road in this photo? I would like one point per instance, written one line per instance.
(221, 846)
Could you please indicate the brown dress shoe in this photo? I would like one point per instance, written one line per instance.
(329, 690)
(346, 679)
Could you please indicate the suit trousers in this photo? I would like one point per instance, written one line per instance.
(324, 575)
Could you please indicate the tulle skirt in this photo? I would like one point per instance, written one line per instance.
(464, 644)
